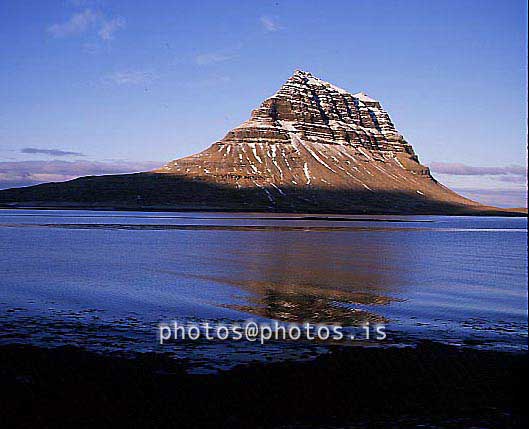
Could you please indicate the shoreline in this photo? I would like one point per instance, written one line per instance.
(349, 387)
(493, 212)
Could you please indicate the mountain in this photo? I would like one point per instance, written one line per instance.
(311, 147)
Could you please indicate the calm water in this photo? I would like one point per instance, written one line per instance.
(104, 280)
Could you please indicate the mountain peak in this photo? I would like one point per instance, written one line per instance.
(364, 97)
(312, 146)
(304, 79)
(313, 134)
(300, 72)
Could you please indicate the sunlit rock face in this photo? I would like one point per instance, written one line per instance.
(311, 134)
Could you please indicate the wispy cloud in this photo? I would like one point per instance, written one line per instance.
(84, 3)
(130, 77)
(25, 173)
(51, 152)
(91, 48)
(213, 57)
(85, 22)
(269, 23)
(108, 28)
(513, 179)
(502, 186)
(459, 169)
(496, 197)
(79, 23)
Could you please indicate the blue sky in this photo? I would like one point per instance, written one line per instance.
(122, 83)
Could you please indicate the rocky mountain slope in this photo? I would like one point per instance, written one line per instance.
(312, 134)
(311, 147)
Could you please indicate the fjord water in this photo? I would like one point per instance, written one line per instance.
(104, 280)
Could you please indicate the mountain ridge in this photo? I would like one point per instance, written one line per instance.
(310, 147)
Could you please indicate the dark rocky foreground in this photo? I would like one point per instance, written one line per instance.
(431, 385)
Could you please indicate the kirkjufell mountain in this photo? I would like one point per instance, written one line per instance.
(311, 147)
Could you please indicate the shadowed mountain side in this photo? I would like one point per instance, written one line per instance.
(158, 191)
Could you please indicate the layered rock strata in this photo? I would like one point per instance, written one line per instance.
(312, 134)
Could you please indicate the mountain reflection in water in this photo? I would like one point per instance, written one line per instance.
(436, 277)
